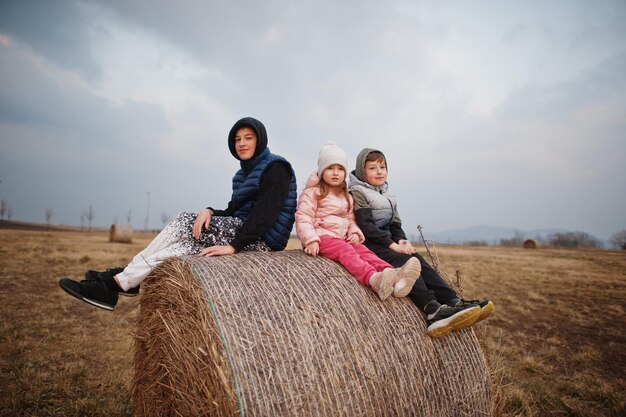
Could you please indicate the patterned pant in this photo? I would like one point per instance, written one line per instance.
(176, 239)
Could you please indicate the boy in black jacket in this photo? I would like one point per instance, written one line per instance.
(377, 216)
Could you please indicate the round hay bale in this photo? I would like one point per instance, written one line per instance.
(286, 334)
(121, 233)
(530, 244)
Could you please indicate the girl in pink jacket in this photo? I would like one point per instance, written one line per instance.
(326, 226)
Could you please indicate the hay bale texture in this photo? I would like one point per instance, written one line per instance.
(121, 233)
(286, 334)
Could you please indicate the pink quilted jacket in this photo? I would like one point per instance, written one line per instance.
(329, 216)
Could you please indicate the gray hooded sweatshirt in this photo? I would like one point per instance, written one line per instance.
(374, 208)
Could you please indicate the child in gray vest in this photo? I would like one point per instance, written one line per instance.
(377, 216)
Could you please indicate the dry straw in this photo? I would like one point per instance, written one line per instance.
(285, 334)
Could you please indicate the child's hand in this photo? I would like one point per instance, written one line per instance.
(203, 219)
(405, 248)
(312, 249)
(217, 251)
(353, 238)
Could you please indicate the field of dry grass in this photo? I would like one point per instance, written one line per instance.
(556, 344)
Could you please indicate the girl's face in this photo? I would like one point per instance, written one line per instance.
(376, 173)
(245, 143)
(334, 175)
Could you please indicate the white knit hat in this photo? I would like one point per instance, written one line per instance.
(331, 154)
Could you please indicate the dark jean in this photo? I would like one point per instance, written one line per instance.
(430, 287)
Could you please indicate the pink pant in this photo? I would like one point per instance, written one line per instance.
(356, 258)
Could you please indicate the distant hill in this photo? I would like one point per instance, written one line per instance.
(489, 234)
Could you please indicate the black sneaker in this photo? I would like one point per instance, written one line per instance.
(93, 292)
(486, 307)
(92, 275)
(447, 318)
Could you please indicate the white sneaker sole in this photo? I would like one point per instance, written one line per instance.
(87, 300)
(97, 304)
(411, 271)
(404, 287)
(486, 311)
(459, 321)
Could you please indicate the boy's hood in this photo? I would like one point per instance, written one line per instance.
(259, 130)
(361, 158)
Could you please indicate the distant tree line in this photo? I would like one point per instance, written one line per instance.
(516, 241)
(568, 240)
(476, 243)
(574, 240)
(86, 215)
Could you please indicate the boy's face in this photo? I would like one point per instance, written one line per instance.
(376, 173)
(245, 143)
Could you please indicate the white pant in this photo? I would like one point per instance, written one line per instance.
(176, 239)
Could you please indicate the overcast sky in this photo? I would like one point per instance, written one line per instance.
(504, 113)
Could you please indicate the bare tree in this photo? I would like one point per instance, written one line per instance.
(9, 212)
(3, 208)
(48, 213)
(619, 239)
(83, 215)
(129, 216)
(165, 218)
(90, 215)
(574, 240)
(145, 225)
(516, 241)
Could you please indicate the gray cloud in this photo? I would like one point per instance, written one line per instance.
(479, 108)
(57, 30)
(560, 100)
(30, 96)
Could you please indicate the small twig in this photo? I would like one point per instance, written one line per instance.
(435, 264)
(430, 255)
(459, 280)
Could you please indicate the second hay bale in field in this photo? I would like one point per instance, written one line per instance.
(285, 334)
(530, 244)
(121, 233)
